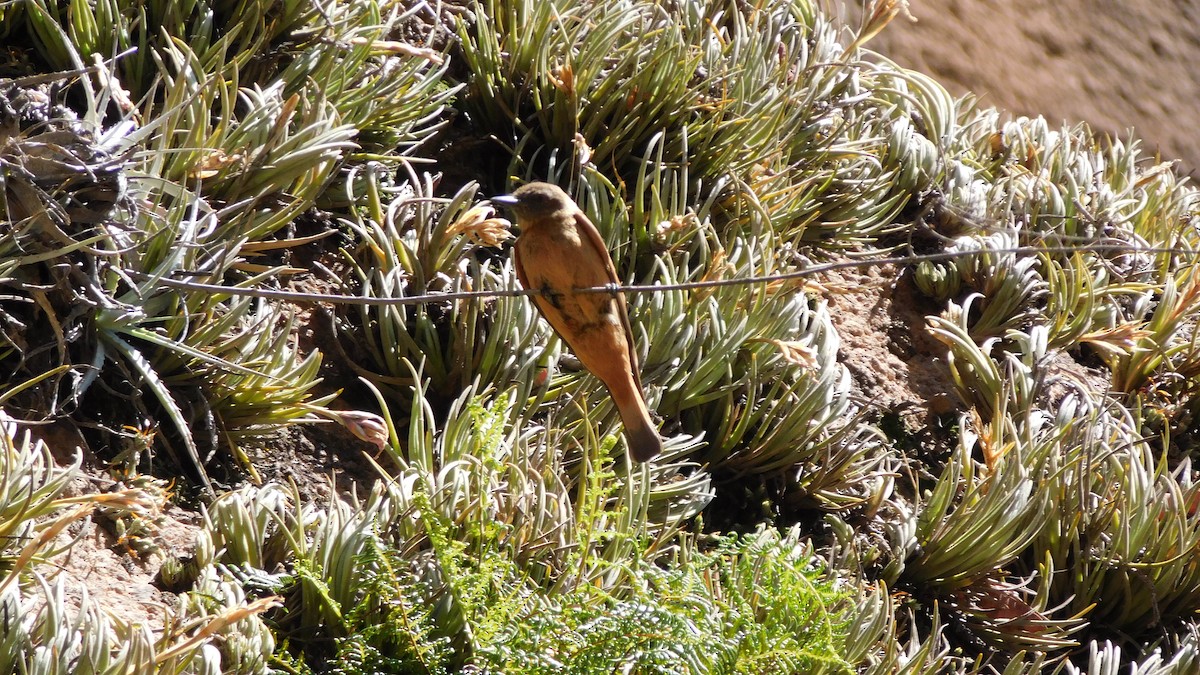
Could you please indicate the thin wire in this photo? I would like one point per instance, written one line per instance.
(651, 288)
(32, 80)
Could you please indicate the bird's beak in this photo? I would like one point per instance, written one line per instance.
(505, 200)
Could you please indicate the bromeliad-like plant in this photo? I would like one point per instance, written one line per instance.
(767, 102)
(417, 244)
(1102, 557)
(978, 521)
(213, 154)
(397, 583)
(46, 626)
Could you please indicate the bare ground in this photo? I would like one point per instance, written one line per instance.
(1115, 64)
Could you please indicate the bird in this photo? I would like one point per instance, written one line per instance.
(559, 251)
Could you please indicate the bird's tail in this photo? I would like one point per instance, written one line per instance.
(643, 441)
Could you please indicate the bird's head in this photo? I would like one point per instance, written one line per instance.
(535, 199)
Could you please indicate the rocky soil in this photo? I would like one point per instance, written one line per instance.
(1115, 64)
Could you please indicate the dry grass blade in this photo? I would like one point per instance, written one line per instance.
(214, 626)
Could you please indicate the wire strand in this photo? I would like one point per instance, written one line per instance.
(810, 271)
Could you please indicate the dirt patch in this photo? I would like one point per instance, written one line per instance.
(1114, 64)
(120, 582)
(316, 456)
(895, 364)
(1065, 375)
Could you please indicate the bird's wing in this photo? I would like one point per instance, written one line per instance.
(593, 237)
(520, 269)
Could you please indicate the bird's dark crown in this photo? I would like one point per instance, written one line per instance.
(535, 199)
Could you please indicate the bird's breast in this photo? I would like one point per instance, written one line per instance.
(562, 259)
(558, 261)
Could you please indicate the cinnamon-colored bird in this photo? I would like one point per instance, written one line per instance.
(559, 251)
